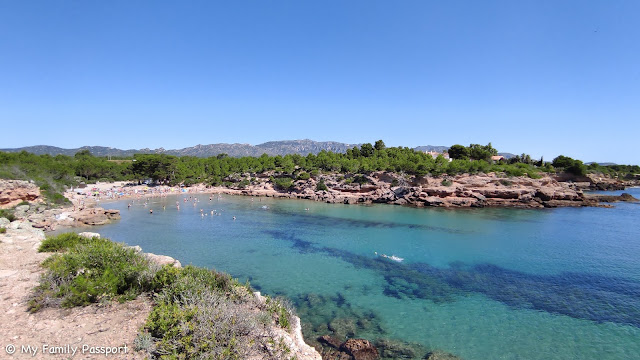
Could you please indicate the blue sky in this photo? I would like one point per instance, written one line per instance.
(541, 77)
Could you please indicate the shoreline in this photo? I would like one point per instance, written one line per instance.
(98, 325)
(463, 191)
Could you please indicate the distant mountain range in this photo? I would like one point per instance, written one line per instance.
(302, 147)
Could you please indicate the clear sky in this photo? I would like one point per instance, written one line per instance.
(541, 77)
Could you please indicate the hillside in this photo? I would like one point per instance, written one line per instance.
(302, 147)
(283, 147)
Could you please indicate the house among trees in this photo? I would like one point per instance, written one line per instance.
(435, 154)
(497, 158)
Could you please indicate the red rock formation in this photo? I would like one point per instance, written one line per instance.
(12, 192)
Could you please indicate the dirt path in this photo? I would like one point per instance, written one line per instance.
(58, 330)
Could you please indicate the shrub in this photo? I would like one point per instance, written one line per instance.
(321, 186)
(3, 230)
(91, 270)
(394, 183)
(55, 198)
(446, 182)
(506, 182)
(243, 184)
(360, 179)
(8, 214)
(304, 176)
(512, 170)
(62, 242)
(204, 314)
(284, 183)
(282, 310)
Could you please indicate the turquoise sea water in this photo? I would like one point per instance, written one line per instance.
(479, 283)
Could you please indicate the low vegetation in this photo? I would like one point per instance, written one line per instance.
(197, 313)
(8, 214)
(89, 271)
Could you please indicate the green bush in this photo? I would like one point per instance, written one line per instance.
(284, 183)
(244, 183)
(446, 182)
(8, 214)
(55, 198)
(534, 175)
(360, 179)
(2, 230)
(304, 176)
(62, 242)
(207, 314)
(90, 271)
(321, 186)
(282, 310)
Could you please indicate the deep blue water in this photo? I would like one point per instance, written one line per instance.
(479, 283)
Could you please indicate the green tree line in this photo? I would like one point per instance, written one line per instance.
(55, 172)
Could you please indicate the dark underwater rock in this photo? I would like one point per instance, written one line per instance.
(360, 349)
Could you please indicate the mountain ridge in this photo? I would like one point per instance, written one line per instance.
(272, 148)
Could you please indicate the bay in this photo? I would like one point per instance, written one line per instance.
(479, 283)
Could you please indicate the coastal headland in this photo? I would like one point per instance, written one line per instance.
(461, 191)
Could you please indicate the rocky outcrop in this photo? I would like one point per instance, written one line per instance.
(89, 235)
(360, 349)
(163, 260)
(13, 192)
(625, 197)
(351, 349)
(50, 219)
(394, 349)
(293, 339)
(96, 216)
(483, 190)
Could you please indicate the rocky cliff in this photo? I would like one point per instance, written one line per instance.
(484, 190)
(13, 192)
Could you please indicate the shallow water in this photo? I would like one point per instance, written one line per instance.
(479, 283)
